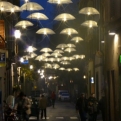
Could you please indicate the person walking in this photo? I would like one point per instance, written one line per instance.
(53, 97)
(43, 105)
(92, 105)
(81, 108)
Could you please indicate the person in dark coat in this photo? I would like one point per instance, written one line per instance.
(102, 107)
(53, 97)
(92, 105)
(81, 107)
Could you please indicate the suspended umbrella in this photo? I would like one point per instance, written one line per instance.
(60, 1)
(26, 57)
(46, 50)
(24, 24)
(70, 49)
(45, 59)
(13, 9)
(62, 68)
(31, 6)
(75, 69)
(55, 66)
(65, 58)
(82, 56)
(69, 31)
(56, 54)
(89, 11)
(65, 62)
(62, 46)
(45, 31)
(38, 16)
(46, 54)
(76, 39)
(77, 56)
(31, 49)
(89, 23)
(71, 58)
(58, 51)
(47, 65)
(64, 17)
(58, 59)
(70, 45)
(32, 55)
(4, 5)
(68, 69)
(40, 58)
(51, 59)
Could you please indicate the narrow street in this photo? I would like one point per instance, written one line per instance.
(63, 111)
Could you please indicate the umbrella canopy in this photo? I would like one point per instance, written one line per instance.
(13, 9)
(65, 58)
(38, 16)
(65, 62)
(46, 54)
(45, 31)
(40, 57)
(55, 66)
(33, 55)
(77, 56)
(64, 17)
(69, 31)
(58, 59)
(70, 45)
(76, 39)
(47, 65)
(62, 46)
(24, 24)
(4, 5)
(62, 68)
(68, 69)
(89, 23)
(70, 49)
(58, 51)
(51, 59)
(60, 1)
(46, 50)
(31, 6)
(45, 59)
(56, 54)
(71, 58)
(89, 11)
(75, 69)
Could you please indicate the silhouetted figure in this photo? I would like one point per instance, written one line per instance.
(92, 107)
(53, 97)
(102, 107)
(43, 106)
(81, 107)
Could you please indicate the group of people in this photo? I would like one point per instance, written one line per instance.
(23, 105)
(89, 108)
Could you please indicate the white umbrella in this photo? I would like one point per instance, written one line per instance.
(76, 39)
(56, 54)
(47, 65)
(13, 9)
(77, 56)
(68, 69)
(89, 23)
(51, 59)
(45, 59)
(58, 59)
(58, 51)
(65, 62)
(62, 68)
(24, 24)
(46, 54)
(31, 6)
(71, 58)
(70, 45)
(4, 5)
(75, 69)
(64, 17)
(55, 66)
(89, 11)
(60, 1)
(45, 31)
(70, 49)
(69, 31)
(65, 58)
(40, 57)
(62, 46)
(46, 50)
(37, 15)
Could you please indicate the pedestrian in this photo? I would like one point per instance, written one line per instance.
(102, 107)
(43, 105)
(23, 106)
(53, 97)
(92, 105)
(81, 108)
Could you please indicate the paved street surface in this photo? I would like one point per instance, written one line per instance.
(63, 111)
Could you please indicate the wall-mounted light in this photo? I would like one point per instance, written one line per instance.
(92, 80)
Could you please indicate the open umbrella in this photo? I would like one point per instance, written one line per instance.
(68, 69)
(13, 9)
(4, 5)
(65, 62)
(89, 23)
(51, 59)
(40, 57)
(60, 1)
(45, 31)
(46, 54)
(62, 68)
(70, 49)
(64, 17)
(56, 54)
(69, 31)
(24, 24)
(38, 16)
(89, 11)
(70, 45)
(75, 69)
(58, 51)
(55, 66)
(46, 50)
(62, 46)
(76, 39)
(65, 58)
(31, 6)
